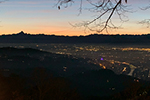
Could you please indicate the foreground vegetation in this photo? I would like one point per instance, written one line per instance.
(29, 74)
(42, 86)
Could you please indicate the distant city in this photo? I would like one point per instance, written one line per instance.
(129, 60)
(97, 65)
(132, 60)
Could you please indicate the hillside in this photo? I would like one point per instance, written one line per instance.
(88, 78)
(93, 38)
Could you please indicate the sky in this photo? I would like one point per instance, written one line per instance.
(42, 16)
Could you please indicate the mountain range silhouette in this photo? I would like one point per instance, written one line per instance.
(22, 37)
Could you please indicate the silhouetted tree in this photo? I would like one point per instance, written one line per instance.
(105, 9)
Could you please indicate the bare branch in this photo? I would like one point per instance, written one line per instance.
(63, 2)
(3, 1)
(145, 22)
(80, 8)
(145, 8)
(111, 15)
(104, 8)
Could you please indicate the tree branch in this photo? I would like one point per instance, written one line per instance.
(103, 8)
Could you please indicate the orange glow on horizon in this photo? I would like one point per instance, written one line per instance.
(42, 18)
(70, 33)
(67, 31)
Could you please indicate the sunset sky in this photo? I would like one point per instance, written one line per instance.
(42, 16)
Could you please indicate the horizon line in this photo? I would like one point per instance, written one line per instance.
(71, 35)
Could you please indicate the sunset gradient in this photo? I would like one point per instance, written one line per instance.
(43, 17)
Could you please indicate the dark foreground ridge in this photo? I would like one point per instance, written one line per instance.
(94, 38)
(32, 74)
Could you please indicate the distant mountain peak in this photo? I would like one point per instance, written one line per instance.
(21, 33)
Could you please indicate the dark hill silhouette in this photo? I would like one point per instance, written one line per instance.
(93, 38)
(102, 83)
(28, 58)
(95, 82)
